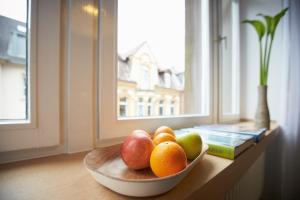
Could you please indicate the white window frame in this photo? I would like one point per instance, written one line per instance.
(42, 129)
(30, 122)
(109, 126)
(223, 39)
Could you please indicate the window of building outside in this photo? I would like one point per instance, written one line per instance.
(123, 106)
(172, 107)
(140, 107)
(13, 60)
(162, 62)
(145, 78)
(161, 107)
(149, 109)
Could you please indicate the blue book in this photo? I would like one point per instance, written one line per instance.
(258, 133)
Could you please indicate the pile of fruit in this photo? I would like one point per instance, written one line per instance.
(165, 153)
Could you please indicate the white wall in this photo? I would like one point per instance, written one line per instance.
(250, 59)
(251, 184)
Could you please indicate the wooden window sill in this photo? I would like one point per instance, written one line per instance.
(64, 177)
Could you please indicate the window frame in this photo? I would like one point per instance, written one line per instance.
(31, 55)
(43, 127)
(109, 126)
(235, 86)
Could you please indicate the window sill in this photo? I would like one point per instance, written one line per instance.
(16, 124)
(210, 179)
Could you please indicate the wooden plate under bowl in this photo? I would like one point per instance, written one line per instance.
(107, 167)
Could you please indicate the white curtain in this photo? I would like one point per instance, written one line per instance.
(283, 159)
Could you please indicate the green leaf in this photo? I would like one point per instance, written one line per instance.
(276, 19)
(259, 27)
(268, 20)
(272, 22)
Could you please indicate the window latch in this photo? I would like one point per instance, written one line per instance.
(220, 39)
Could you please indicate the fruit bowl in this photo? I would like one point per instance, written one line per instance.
(107, 167)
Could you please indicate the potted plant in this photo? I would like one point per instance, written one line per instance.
(264, 30)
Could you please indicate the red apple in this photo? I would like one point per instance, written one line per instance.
(136, 150)
(141, 131)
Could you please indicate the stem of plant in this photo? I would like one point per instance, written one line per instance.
(261, 63)
(265, 60)
(268, 60)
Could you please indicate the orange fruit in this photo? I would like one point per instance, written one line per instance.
(163, 137)
(163, 129)
(167, 158)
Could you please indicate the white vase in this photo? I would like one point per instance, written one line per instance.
(262, 116)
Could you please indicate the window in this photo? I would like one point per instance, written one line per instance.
(123, 106)
(145, 78)
(175, 60)
(160, 59)
(17, 44)
(28, 77)
(13, 61)
(141, 107)
(172, 108)
(229, 60)
(161, 107)
(149, 109)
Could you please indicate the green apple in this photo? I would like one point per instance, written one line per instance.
(191, 144)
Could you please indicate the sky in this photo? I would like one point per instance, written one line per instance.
(159, 22)
(162, 26)
(14, 9)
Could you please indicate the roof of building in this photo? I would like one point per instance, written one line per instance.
(124, 67)
(133, 51)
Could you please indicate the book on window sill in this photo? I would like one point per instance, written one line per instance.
(222, 144)
(258, 133)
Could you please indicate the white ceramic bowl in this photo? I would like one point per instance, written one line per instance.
(108, 169)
